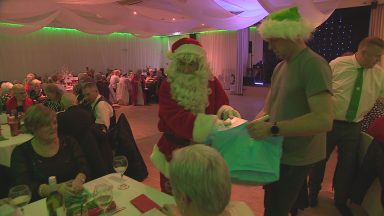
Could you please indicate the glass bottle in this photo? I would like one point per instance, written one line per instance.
(55, 200)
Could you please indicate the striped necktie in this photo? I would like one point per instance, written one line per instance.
(355, 98)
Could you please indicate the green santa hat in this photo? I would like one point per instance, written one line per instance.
(286, 23)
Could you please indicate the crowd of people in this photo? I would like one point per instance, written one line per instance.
(314, 105)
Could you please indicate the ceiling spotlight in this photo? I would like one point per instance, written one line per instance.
(134, 12)
(202, 24)
(173, 19)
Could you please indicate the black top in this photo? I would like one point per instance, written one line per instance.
(27, 167)
(75, 121)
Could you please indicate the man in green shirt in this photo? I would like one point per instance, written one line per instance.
(299, 105)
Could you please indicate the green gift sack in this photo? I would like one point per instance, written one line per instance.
(249, 160)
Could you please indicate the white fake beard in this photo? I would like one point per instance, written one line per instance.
(191, 90)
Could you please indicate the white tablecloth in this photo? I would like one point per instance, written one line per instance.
(7, 146)
(121, 197)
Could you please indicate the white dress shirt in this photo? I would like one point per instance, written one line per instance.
(344, 72)
(103, 112)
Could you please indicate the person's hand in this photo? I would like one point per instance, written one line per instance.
(170, 210)
(77, 185)
(220, 124)
(230, 113)
(259, 129)
(66, 189)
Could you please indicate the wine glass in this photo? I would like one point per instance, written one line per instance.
(103, 196)
(120, 164)
(19, 196)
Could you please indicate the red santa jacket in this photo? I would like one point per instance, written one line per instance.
(12, 104)
(176, 123)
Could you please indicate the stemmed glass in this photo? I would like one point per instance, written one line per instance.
(20, 196)
(120, 164)
(103, 196)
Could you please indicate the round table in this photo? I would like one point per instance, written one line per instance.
(7, 146)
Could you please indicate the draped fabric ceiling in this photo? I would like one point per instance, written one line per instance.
(145, 18)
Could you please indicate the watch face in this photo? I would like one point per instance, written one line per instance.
(274, 129)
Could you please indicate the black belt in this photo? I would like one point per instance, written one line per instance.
(177, 140)
(345, 122)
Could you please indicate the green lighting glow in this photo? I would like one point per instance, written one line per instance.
(113, 34)
(213, 31)
(10, 25)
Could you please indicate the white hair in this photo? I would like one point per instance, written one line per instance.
(6, 86)
(200, 173)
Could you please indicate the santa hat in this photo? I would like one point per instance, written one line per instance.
(187, 46)
(286, 23)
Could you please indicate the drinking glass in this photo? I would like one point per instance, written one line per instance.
(120, 164)
(20, 196)
(103, 196)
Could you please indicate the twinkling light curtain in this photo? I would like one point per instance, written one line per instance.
(376, 24)
(47, 51)
(221, 53)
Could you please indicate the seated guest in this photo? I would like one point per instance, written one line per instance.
(20, 102)
(102, 85)
(53, 93)
(201, 184)
(101, 110)
(28, 80)
(6, 94)
(47, 155)
(372, 166)
(77, 89)
(75, 120)
(35, 90)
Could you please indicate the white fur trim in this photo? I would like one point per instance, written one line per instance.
(203, 126)
(190, 48)
(159, 161)
(226, 108)
(287, 29)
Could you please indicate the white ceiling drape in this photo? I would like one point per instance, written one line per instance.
(149, 17)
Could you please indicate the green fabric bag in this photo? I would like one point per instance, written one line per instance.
(249, 160)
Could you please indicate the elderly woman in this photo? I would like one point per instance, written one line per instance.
(20, 102)
(5, 94)
(53, 93)
(47, 155)
(35, 90)
(201, 184)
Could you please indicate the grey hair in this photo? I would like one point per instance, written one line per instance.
(6, 86)
(200, 173)
(68, 99)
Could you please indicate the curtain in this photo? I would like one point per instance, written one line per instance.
(49, 50)
(147, 18)
(257, 46)
(376, 24)
(242, 59)
(221, 53)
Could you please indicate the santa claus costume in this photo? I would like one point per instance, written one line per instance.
(191, 103)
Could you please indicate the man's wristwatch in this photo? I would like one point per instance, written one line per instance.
(274, 129)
